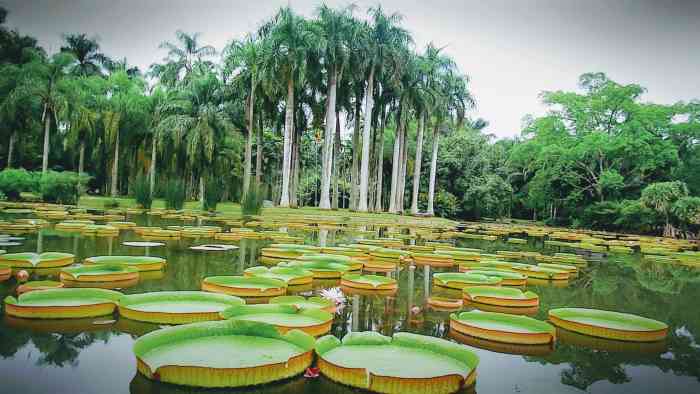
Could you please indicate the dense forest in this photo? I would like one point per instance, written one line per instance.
(263, 117)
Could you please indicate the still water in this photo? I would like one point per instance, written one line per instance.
(85, 357)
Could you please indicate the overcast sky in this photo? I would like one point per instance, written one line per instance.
(512, 50)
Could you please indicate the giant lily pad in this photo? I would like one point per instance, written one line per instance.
(226, 353)
(305, 303)
(502, 327)
(35, 260)
(321, 270)
(98, 273)
(38, 285)
(500, 296)
(142, 263)
(608, 324)
(508, 278)
(245, 286)
(369, 282)
(63, 303)
(312, 321)
(537, 272)
(406, 363)
(459, 280)
(432, 259)
(354, 265)
(292, 275)
(5, 272)
(176, 307)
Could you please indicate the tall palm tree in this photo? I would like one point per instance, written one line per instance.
(386, 41)
(243, 59)
(45, 80)
(337, 32)
(292, 39)
(82, 113)
(158, 105)
(89, 59)
(183, 57)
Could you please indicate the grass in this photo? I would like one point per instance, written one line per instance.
(233, 209)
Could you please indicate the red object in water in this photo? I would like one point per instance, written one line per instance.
(22, 276)
(312, 372)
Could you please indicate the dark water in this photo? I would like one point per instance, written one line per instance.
(83, 357)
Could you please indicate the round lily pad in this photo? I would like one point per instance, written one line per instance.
(176, 307)
(508, 278)
(459, 280)
(312, 321)
(38, 285)
(292, 275)
(200, 354)
(609, 324)
(98, 273)
(537, 272)
(142, 263)
(406, 363)
(34, 260)
(432, 259)
(369, 282)
(503, 327)
(305, 303)
(63, 303)
(214, 247)
(354, 265)
(321, 270)
(245, 286)
(500, 296)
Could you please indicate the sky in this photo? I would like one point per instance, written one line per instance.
(511, 50)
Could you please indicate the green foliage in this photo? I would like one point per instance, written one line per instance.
(662, 195)
(252, 202)
(687, 210)
(174, 194)
(60, 187)
(213, 193)
(15, 181)
(111, 204)
(142, 192)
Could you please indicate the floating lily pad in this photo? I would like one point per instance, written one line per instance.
(305, 303)
(63, 303)
(432, 259)
(321, 270)
(459, 280)
(312, 321)
(200, 354)
(38, 285)
(142, 263)
(609, 324)
(34, 260)
(537, 272)
(245, 286)
(176, 307)
(500, 296)
(508, 278)
(354, 265)
(406, 363)
(5, 272)
(503, 327)
(369, 282)
(292, 275)
(96, 273)
(214, 247)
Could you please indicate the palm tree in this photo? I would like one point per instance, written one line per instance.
(82, 113)
(157, 109)
(386, 41)
(183, 57)
(198, 122)
(244, 59)
(45, 80)
(292, 40)
(87, 54)
(337, 32)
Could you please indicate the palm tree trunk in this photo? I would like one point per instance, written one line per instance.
(296, 160)
(336, 161)
(287, 150)
(81, 164)
(47, 131)
(417, 164)
(259, 153)
(400, 192)
(364, 165)
(433, 171)
(115, 167)
(11, 148)
(327, 150)
(249, 143)
(396, 162)
(380, 163)
(152, 178)
(356, 150)
(201, 191)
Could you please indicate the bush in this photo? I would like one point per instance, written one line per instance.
(15, 181)
(213, 192)
(111, 204)
(60, 187)
(174, 194)
(142, 192)
(252, 202)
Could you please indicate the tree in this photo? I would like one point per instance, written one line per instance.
(661, 196)
(183, 57)
(82, 113)
(88, 58)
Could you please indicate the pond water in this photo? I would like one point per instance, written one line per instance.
(96, 356)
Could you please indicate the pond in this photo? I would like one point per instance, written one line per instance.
(95, 356)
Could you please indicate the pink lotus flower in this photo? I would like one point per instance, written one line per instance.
(312, 372)
(335, 294)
